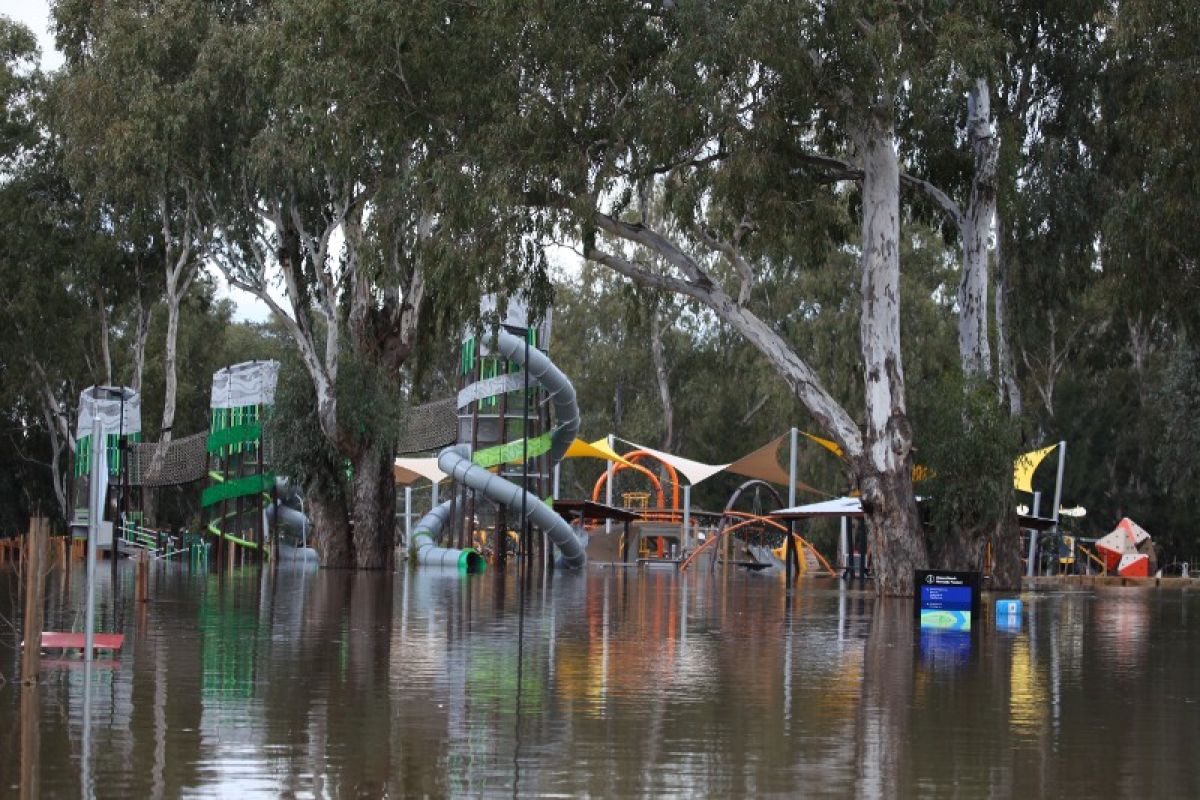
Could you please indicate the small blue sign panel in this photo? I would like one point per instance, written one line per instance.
(1008, 614)
(946, 600)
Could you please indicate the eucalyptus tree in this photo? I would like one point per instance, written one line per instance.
(136, 130)
(342, 203)
(49, 248)
(742, 115)
(19, 79)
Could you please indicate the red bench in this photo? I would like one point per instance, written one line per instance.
(74, 641)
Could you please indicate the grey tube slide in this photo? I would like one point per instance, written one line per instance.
(456, 462)
(426, 551)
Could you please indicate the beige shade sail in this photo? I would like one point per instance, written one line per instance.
(694, 471)
(762, 463)
(408, 471)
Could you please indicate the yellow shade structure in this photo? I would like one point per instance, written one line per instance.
(1025, 465)
(597, 449)
(832, 447)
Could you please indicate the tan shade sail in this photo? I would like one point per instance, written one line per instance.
(1025, 465)
(410, 470)
(763, 464)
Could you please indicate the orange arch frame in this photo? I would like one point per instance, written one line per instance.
(633, 458)
(658, 489)
(747, 519)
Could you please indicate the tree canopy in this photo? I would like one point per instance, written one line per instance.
(938, 233)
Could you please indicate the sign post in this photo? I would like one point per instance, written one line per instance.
(946, 600)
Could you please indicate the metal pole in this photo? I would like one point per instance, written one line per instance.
(792, 470)
(120, 531)
(525, 454)
(407, 515)
(89, 622)
(608, 484)
(1058, 483)
(557, 479)
(844, 545)
(787, 553)
(687, 516)
(435, 495)
(1031, 558)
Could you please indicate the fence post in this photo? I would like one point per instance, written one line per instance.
(34, 598)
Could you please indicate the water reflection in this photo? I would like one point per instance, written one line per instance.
(613, 683)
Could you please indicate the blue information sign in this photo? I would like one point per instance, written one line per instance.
(946, 600)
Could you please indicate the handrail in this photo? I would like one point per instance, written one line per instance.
(1093, 557)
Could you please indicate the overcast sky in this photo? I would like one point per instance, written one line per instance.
(35, 14)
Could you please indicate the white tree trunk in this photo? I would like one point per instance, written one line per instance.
(1010, 390)
(105, 346)
(887, 443)
(170, 377)
(663, 377)
(884, 471)
(141, 337)
(973, 346)
(57, 447)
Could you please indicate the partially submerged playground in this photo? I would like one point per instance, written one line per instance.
(480, 477)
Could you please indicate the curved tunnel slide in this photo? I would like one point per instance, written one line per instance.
(456, 462)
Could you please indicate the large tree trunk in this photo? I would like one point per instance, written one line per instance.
(973, 346)
(170, 378)
(1010, 390)
(1006, 549)
(662, 375)
(58, 476)
(105, 346)
(373, 508)
(141, 337)
(330, 521)
(884, 469)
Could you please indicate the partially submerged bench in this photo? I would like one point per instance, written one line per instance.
(52, 640)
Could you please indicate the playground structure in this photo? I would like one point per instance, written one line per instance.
(504, 463)
(108, 425)
(241, 482)
(243, 501)
(506, 382)
(515, 419)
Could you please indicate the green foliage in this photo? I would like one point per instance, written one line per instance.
(18, 81)
(300, 449)
(967, 441)
(1179, 398)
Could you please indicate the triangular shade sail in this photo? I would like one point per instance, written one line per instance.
(1025, 465)
(411, 470)
(597, 449)
(694, 471)
(832, 447)
(763, 464)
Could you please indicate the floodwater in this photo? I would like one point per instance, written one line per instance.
(609, 683)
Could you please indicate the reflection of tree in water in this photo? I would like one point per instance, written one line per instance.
(326, 704)
(884, 713)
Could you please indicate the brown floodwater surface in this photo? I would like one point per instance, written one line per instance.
(606, 683)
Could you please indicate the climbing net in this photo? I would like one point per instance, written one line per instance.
(170, 463)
